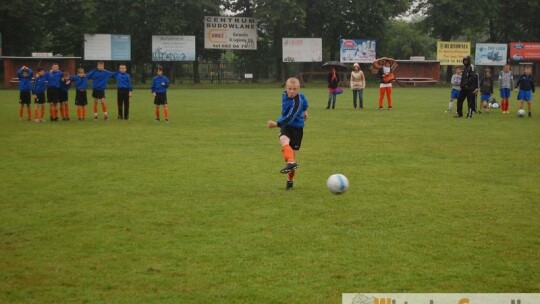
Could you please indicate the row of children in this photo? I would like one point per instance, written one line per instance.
(485, 85)
(55, 84)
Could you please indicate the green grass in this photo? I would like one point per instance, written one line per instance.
(195, 211)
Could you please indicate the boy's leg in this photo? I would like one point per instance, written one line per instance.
(166, 112)
(36, 112)
(119, 104)
(42, 116)
(95, 108)
(28, 112)
(83, 112)
(529, 105)
(104, 109)
(66, 109)
(126, 108)
(21, 109)
(521, 104)
(157, 113)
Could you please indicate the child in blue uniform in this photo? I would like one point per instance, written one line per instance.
(454, 93)
(65, 84)
(123, 82)
(53, 90)
(486, 89)
(99, 77)
(526, 88)
(81, 98)
(38, 90)
(160, 83)
(25, 86)
(294, 107)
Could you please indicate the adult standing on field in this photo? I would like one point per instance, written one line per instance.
(358, 83)
(469, 87)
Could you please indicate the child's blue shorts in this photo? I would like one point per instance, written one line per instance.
(505, 93)
(485, 97)
(454, 94)
(525, 95)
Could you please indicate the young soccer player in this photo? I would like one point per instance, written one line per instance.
(99, 77)
(81, 99)
(25, 86)
(65, 84)
(456, 80)
(160, 83)
(486, 89)
(53, 90)
(526, 89)
(506, 83)
(123, 81)
(294, 107)
(38, 90)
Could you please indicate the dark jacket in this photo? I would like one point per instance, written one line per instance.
(526, 82)
(469, 78)
(333, 83)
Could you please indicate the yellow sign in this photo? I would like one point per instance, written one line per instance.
(452, 53)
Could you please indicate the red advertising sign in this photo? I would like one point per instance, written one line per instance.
(524, 51)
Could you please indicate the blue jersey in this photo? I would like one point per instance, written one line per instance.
(526, 82)
(292, 111)
(53, 78)
(160, 84)
(25, 82)
(81, 83)
(40, 85)
(99, 78)
(65, 84)
(123, 81)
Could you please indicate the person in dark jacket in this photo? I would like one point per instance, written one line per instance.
(333, 85)
(486, 89)
(526, 88)
(469, 87)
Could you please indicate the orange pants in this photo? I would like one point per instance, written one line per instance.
(388, 91)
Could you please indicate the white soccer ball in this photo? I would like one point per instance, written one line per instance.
(495, 105)
(337, 183)
(521, 113)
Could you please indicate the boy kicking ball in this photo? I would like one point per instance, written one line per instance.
(294, 107)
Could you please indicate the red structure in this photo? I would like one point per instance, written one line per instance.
(12, 64)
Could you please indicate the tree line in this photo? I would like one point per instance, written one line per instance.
(402, 28)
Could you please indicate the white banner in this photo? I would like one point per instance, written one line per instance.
(230, 33)
(440, 298)
(302, 49)
(490, 54)
(173, 48)
(107, 47)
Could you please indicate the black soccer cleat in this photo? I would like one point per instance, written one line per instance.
(289, 185)
(289, 167)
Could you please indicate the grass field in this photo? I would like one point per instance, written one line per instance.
(195, 211)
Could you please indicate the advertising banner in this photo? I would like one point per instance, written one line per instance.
(490, 54)
(173, 48)
(357, 50)
(525, 51)
(107, 47)
(302, 49)
(452, 53)
(230, 33)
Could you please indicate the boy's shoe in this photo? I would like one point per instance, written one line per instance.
(166, 120)
(95, 118)
(37, 120)
(106, 118)
(389, 108)
(289, 185)
(157, 120)
(289, 167)
(380, 108)
(530, 114)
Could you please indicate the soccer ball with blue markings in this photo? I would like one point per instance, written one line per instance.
(337, 183)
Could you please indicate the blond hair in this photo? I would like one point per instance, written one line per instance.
(292, 81)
